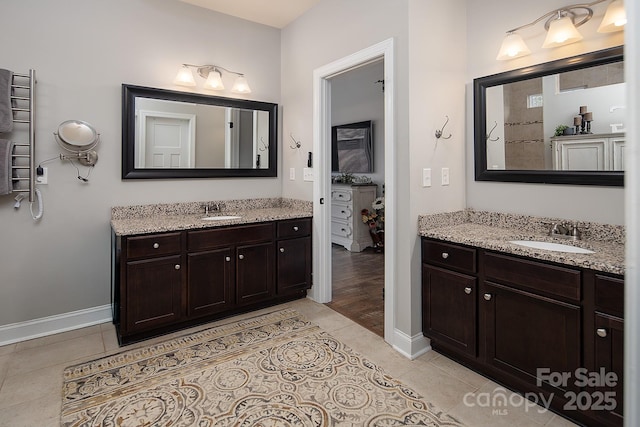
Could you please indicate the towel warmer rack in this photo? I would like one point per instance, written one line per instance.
(23, 97)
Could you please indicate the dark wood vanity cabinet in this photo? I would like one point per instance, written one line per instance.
(449, 297)
(232, 266)
(604, 339)
(293, 256)
(167, 281)
(530, 317)
(508, 316)
(153, 267)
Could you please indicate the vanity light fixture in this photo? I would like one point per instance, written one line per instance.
(561, 25)
(213, 76)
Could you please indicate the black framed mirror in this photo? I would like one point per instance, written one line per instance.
(530, 147)
(170, 134)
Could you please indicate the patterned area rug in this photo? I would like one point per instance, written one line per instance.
(273, 370)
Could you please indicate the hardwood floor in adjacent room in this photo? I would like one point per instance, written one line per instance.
(358, 286)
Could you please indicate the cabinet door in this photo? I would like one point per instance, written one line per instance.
(210, 282)
(449, 308)
(609, 349)
(294, 265)
(153, 293)
(254, 273)
(524, 332)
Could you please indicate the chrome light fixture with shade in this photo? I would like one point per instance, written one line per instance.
(561, 25)
(213, 76)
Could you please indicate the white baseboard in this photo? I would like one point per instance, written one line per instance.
(410, 347)
(23, 331)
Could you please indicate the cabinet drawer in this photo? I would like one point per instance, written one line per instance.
(533, 276)
(214, 238)
(341, 229)
(341, 195)
(341, 211)
(294, 228)
(449, 255)
(153, 245)
(609, 295)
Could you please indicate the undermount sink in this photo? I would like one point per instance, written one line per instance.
(220, 217)
(558, 247)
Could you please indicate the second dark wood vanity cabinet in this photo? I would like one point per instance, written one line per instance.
(294, 256)
(153, 267)
(444, 288)
(507, 316)
(166, 281)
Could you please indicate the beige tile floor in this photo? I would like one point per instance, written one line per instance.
(31, 373)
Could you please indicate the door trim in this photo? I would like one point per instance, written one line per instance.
(321, 291)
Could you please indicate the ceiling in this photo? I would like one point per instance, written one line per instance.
(275, 13)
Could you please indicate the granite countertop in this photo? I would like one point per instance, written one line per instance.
(145, 219)
(494, 231)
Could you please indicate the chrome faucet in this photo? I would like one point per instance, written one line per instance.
(565, 230)
(215, 207)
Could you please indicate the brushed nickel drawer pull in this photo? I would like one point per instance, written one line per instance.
(282, 250)
(487, 297)
(467, 290)
(295, 228)
(445, 255)
(177, 267)
(228, 258)
(156, 245)
(241, 256)
(601, 332)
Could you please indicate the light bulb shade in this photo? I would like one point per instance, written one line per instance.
(214, 81)
(184, 77)
(561, 32)
(512, 47)
(241, 85)
(614, 19)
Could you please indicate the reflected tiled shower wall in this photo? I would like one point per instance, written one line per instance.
(523, 128)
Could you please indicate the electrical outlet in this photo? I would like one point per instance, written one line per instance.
(292, 174)
(426, 177)
(44, 178)
(307, 174)
(445, 176)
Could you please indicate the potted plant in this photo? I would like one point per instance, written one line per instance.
(560, 130)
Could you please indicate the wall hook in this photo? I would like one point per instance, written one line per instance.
(265, 146)
(297, 145)
(491, 131)
(439, 131)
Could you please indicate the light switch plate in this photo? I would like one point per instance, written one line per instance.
(292, 174)
(307, 174)
(426, 177)
(445, 176)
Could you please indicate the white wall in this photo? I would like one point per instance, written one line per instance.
(429, 60)
(486, 26)
(356, 97)
(83, 50)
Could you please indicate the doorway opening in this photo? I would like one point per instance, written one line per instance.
(357, 195)
(322, 289)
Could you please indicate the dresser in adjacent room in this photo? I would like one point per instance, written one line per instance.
(347, 202)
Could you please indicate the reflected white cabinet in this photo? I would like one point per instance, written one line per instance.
(596, 152)
(347, 202)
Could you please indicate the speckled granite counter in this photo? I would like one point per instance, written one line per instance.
(144, 219)
(492, 230)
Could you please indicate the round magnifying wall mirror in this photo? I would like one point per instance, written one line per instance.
(79, 138)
